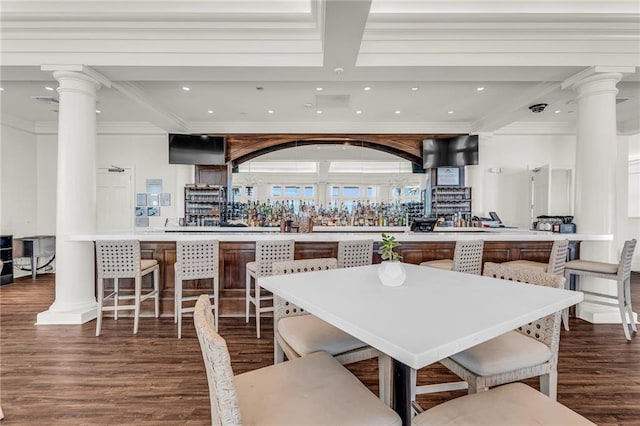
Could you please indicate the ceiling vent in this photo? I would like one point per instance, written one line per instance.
(49, 100)
(332, 101)
(621, 100)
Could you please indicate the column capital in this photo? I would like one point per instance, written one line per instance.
(76, 82)
(78, 69)
(592, 73)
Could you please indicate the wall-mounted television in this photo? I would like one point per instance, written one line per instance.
(196, 149)
(450, 152)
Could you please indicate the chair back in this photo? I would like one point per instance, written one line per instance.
(547, 329)
(222, 392)
(283, 308)
(558, 257)
(355, 253)
(624, 268)
(268, 252)
(197, 259)
(467, 257)
(118, 259)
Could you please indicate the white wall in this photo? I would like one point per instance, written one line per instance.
(507, 193)
(18, 182)
(627, 227)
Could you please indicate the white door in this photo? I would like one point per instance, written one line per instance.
(114, 200)
(560, 202)
(540, 191)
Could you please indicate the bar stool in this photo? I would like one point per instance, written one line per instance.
(467, 258)
(556, 265)
(355, 253)
(267, 252)
(121, 259)
(620, 272)
(196, 260)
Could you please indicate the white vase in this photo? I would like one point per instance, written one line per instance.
(392, 273)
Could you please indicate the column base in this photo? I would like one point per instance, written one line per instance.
(76, 316)
(599, 314)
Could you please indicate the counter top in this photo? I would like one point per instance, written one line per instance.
(254, 234)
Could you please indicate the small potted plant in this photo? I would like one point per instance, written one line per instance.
(391, 272)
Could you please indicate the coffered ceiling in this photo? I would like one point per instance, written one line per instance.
(424, 62)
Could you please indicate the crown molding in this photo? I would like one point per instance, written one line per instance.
(329, 127)
(106, 128)
(538, 128)
(17, 123)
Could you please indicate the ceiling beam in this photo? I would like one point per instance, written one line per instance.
(344, 23)
(164, 119)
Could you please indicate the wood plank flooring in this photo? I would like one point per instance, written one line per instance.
(66, 375)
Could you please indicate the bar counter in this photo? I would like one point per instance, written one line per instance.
(237, 247)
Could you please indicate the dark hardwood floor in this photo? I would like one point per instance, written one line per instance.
(66, 375)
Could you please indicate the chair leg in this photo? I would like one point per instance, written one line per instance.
(116, 293)
(175, 299)
(99, 308)
(258, 308)
(247, 298)
(178, 291)
(623, 310)
(549, 384)
(627, 294)
(384, 379)
(565, 311)
(278, 353)
(136, 308)
(156, 289)
(476, 385)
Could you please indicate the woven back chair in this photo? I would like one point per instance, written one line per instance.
(222, 393)
(355, 253)
(558, 257)
(467, 258)
(534, 359)
(621, 273)
(121, 259)
(267, 252)
(316, 331)
(195, 260)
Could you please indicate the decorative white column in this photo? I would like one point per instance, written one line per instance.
(75, 301)
(595, 178)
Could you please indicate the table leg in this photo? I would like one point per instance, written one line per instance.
(402, 391)
(33, 267)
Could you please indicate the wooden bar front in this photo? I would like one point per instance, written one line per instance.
(235, 255)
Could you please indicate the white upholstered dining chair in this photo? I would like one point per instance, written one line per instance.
(297, 333)
(467, 258)
(355, 253)
(267, 252)
(195, 260)
(312, 390)
(529, 351)
(121, 259)
(620, 272)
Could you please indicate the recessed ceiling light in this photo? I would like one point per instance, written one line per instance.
(319, 89)
(1, 89)
(450, 112)
(270, 111)
(397, 111)
(98, 111)
(210, 112)
(49, 88)
(308, 105)
(479, 89)
(366, 89)
(185, 88)
(358, 112)
(557, 111)
(415, 89)
(319, 111)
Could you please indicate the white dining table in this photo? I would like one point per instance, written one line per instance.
(433, 315)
